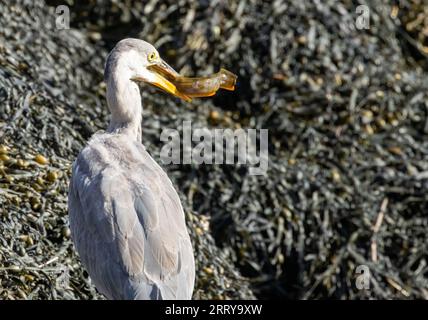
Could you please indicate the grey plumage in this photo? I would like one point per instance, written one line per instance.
(126, 218)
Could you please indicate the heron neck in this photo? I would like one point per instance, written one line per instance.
(124, 101)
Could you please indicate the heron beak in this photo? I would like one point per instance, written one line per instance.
(162, 75)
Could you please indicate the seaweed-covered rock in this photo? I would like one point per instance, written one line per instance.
(51, 101)
(347, 113)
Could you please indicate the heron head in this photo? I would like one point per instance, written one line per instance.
(140, 62)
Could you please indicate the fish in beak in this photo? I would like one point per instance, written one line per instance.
(163, 76)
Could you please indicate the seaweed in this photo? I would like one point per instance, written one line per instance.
(347, 114)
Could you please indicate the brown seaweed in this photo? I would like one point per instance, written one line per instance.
(347, 116)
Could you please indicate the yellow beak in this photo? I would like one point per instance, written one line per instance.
(162, 73)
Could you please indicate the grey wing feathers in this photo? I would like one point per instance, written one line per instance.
(130, 233)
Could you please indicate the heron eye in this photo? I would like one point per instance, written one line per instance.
(152, 57)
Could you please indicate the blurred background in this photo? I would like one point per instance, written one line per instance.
(347, 113)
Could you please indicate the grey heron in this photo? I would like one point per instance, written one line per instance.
(126, 219)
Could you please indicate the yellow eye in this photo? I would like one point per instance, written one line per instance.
(152, 57)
